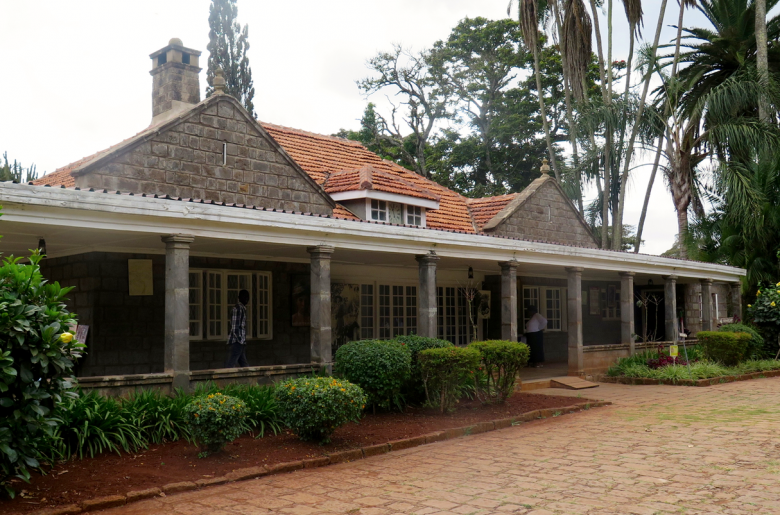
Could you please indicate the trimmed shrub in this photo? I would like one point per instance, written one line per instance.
(215, 420)
(381, 368)
(501, 363)
(313, 407)
(415, 390)
(755, 348)
(442, 370)
(37, 354)
(727, 348)
(261, 410)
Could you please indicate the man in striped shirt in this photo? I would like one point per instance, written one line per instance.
(237, 338)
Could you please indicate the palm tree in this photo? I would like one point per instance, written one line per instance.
(529, 25)
(762, 58)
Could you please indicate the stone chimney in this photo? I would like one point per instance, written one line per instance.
(175, 85)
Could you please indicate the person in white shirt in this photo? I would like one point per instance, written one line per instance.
(534, 333)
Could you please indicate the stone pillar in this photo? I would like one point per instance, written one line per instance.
(671, 327)
(509, 300)
(320, 333)
(574, 298)
(706, 305)
(426, 295)
(736, 299)
(177, 308)
(627, 310)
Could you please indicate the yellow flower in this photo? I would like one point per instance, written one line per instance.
(758, 292)
(772, 304)
(66, 337)
(778, 284)
(750, 305)
(343, 390)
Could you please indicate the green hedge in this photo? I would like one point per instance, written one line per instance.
(381, 368)
(443, 370)
(755, 346)
(415, 390)
(216, 419)
(314, 407)
(727, 348)
(501, 364)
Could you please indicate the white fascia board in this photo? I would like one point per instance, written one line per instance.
(382, 195)
(89, 210)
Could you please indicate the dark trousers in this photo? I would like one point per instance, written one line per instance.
(236, 356)
(536, 345)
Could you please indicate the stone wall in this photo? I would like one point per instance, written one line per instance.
(126, 333)
(692, 307)
(547, 216)
(186, 160)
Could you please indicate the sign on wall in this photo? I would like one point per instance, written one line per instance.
(140, 277)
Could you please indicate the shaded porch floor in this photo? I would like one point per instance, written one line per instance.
(548, 371)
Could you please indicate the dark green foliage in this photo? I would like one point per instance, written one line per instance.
(727, 348)
(158, 417)
(16, 172)
(415, 390)
(443, 370)
(36, 365)
(214, 420)
(262, 413)
(228, 45)
(381, 368)
(755, 346)
(314, 407)
(501, 364)
(92, 424)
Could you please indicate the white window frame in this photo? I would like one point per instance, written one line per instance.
(199, 304)
(452, 318)
(539, 293)
(609, 312)
(415, 216)
(257, 307)
(381, 210)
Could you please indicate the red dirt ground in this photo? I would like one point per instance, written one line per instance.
(109, 474)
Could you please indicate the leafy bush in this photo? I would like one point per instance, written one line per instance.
(727, 348)
(442, 369)
(415, 390)
(36, 365)
(755, 348)
(159, 418)
(262, 412)
(502, 362)
(380, 368)
(91, 423)
(215, 420)
(313, 407)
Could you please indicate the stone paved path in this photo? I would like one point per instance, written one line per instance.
(657, 450)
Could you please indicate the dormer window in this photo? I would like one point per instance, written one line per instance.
(414, 215)
(378, 210)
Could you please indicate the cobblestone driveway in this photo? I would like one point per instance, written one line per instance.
(658, 449)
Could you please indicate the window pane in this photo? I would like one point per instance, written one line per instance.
(449, 314)
(440, 312)
(215, 304)
(411, 310)
(463, 322)
(398, 310)
(384, 311)
(366, 311)
(263, 305)
(196, 304)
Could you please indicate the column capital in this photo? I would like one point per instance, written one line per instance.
(508, 265)
(668, 278)
(177, 240)
(430, 258)
(706, 281)
(321, 251)
(574, 269)
(626, 274)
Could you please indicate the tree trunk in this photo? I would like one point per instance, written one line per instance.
(635, 128)
(762, 59)
(543, 113)
(682, 229)
(650, 183)
(617, 217)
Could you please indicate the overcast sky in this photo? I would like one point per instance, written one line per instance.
(76, 74)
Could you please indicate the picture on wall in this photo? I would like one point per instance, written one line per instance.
(300, 299)
(345, 309)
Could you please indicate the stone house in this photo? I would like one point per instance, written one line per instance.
(160, 232)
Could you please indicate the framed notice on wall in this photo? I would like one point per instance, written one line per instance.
(594, 300)
(140, 277)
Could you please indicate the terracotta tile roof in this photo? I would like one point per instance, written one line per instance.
(342, 212)
(321, 156)
(484, 209)
(369, 178)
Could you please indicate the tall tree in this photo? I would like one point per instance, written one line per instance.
(228, 46)
(762, 57)
(15, 171)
